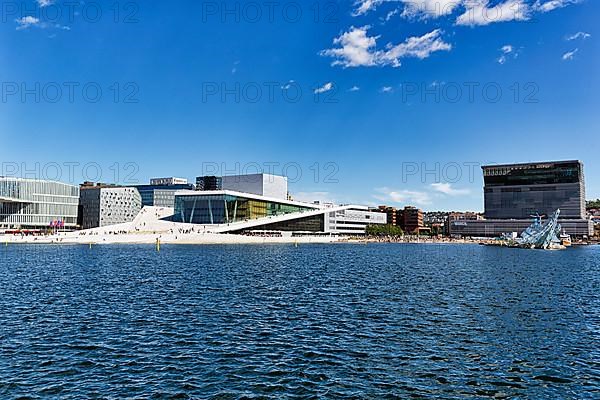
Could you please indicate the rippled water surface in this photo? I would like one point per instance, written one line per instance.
(405, 321)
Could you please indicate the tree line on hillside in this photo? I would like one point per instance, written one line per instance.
(593, 204)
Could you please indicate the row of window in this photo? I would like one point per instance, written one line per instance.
(38, 190)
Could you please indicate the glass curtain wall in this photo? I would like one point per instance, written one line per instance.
(225, 209)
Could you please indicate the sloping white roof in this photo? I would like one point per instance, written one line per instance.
(246, 195)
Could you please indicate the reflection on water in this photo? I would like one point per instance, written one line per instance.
(422, 321)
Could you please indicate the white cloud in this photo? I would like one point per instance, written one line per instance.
(26, 22)
(234, 68)
(354, 89)
(392, 14)
(417, 46)
(569, 55)
(412, 8)
(45, 3)
(358, 49)
(311, 197)
(578, 35)
(325, 88)
(478, 12)
(508, 51)
(429, 8)
(446, 188)
(386, 89)
(546, 6)
(31, 21)
(406, 197)
(364, 6)
(288, 85)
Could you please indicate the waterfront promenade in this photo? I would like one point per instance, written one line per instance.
(150, 227)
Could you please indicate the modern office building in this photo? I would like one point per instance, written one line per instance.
(36, 204)
(353, 220)
(209, 183)
(515, 193)
(161, 191)
(237, 212)
(104, 205)
(168, 181)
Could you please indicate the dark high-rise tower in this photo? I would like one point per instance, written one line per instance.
(517, 191)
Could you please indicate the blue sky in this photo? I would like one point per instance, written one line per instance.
(392, 102)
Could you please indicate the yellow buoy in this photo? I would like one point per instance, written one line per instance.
(158, 245)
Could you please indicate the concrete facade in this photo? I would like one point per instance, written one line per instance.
(104, 206)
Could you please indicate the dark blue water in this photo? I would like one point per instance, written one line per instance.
(337, 321)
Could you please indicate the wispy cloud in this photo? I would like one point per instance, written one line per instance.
(325, 88)
(546, 6)
(391, 14)
(479, 12)
(569, 55)
(27, 22)
(45, 3)
(288, 85)
(448, 189)
(235, 67)
(386, 89)
(508, 51)
(311, 197)
(31, 21)
(412, 8)
(354, 89)
(358, 49)
(423, 197)
(405, 197)
(578, 35)
(429, 8)
(364, 6)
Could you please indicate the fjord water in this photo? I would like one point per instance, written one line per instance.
(378, 320)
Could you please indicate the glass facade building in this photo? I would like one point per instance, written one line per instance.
(520, 190)
(225, 208)
(35, 204)
(513, 193)
(161, 195)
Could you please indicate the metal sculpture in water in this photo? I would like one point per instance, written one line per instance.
(542, 235)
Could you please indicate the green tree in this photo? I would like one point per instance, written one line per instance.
(384, 230)
(593, 204)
